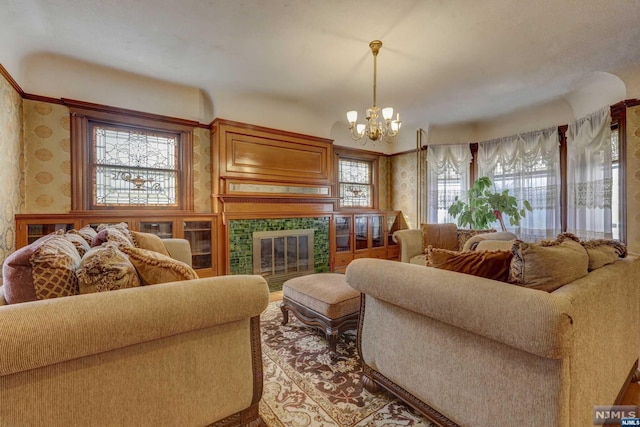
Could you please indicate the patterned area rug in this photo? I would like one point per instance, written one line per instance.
(304, 387)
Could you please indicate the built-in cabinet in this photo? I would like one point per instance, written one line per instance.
(363, 235)
(198, 229)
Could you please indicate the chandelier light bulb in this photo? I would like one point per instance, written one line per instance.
(387, 113)
(352, 116)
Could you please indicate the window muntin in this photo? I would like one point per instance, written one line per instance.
(355, 183)
(134, 167)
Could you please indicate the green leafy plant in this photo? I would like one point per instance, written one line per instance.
(484, 206)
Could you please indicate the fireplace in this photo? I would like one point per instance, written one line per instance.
(282, 254)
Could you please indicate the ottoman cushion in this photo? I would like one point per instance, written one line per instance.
(325, 293)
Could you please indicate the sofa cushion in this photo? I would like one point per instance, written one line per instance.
(106, 268)
(443, 236)
(603, 251)
(116, 233)
(44, 269)
(490, 264)
(548, 264)
(465, 234)
(149, 241)
(154, 268)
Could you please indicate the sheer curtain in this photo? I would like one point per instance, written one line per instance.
(528, 165)
(589, 176)
(448, 169)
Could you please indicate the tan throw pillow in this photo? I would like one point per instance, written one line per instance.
(106, 268)
(149, 241)
(490, 264)
(115, 233)
(603, 251)
(44, 269)
(548, 264)
(444, 236)
(154, 268)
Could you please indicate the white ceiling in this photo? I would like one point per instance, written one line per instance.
(443, 61)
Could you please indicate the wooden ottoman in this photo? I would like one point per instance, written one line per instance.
(324, 301)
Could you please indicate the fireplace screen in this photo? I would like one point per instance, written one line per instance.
(283, 254)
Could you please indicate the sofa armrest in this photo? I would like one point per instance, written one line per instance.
(410, 241)
(179, 249)
(527, 319)
(41, 333)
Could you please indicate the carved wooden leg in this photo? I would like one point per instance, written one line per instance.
(636, 376)
(285, 314)
(333, 341)
(369, 384)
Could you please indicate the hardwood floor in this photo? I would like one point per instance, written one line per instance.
(275, 296)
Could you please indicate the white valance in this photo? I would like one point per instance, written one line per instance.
(455, 158)
(522, 150)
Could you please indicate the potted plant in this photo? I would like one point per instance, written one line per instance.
(484, 206)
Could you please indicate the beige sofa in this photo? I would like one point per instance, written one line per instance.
(183, 353)
(471, 351)
(412, 242)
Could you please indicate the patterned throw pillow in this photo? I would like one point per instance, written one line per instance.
(154, 268)
(106, 268)
(116, 233)
(78, 241)
(149, 241)
(548, 264)
(44, 269)
(87, 233)
(490, 264)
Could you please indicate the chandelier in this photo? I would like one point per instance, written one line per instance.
(374, 129)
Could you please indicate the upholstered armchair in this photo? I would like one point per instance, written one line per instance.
(414, 241)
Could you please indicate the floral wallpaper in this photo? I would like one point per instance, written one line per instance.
(403, 187)
(633, 179)
(11, 162)
(47, 138)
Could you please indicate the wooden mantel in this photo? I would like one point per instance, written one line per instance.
(260, 172)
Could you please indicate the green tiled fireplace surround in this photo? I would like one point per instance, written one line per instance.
(241, 241)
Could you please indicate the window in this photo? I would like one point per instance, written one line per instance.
(448, 169)
(133, 167)
(528, 165)
(355, 183)
(129, 160)
(356, 178)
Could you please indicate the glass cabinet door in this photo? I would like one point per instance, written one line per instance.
(343, 233)
(361, 232)
(198, 233)
(162, 229)
(35, 231)
(377, 231)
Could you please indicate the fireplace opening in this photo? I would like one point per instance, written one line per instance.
(283, 254)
